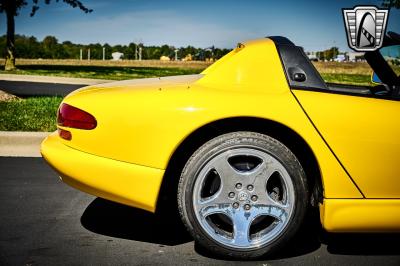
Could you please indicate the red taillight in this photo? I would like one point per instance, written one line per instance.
(69, 116)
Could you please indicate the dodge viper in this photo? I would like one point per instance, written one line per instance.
(245, 148)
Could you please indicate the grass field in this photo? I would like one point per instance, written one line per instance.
(361, 68)
(347, 73)
(352, 79)
(31, 114)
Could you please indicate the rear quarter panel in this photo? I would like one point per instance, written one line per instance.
(145, 126)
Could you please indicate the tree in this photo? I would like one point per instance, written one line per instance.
(391, 3)
(332, 53)
(12, 8)
(49, 44)
(51, 48)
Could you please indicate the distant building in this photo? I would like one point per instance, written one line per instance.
(355, 57)
(117, 56)
(340, 58)
(312, 56)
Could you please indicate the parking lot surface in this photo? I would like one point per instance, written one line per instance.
(45, 222)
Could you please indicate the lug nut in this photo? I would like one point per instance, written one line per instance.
(231, 195)
(238, 186)
(247, 207)
(254, 198)
(250, 187)
(235, 205)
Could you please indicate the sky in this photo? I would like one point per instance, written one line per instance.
(315, 25)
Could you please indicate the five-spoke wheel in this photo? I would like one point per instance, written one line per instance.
(242, 194)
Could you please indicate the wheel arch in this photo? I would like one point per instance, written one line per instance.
(290, 138)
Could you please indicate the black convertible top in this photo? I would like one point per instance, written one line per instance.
(379, 64)
(300, 72)
(391, 38)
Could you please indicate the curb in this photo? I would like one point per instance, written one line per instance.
(21, 144)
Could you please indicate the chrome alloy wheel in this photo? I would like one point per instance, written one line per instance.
(243, 197)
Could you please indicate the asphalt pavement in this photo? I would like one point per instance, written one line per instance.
(45, 222)
(33, 85)
(27, 88)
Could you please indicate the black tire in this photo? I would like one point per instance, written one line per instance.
(258, 141)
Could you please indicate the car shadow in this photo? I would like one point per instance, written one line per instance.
(377, 244)
(311, 236)
(116, 220)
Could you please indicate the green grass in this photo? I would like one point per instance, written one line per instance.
(100, 72)
(352, 79)
(31, 114)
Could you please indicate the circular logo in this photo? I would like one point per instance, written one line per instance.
(243, 196)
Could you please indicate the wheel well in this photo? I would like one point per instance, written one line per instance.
(168, 192)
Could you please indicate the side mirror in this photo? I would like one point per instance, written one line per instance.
(375, 79)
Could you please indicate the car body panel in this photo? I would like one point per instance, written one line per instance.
(360, 215)
(143, 84)
(364, 134)
(140, 141)
(126, 183)
(252, 67)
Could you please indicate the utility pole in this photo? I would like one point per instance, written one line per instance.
(88, 54)
(136, 52)
(80, 55)
(104, 53)
(176, 54)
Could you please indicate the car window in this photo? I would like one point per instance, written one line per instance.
(346, 68)
(392, 56)
(354, 71)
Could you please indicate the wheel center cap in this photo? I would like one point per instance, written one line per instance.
(243, 196)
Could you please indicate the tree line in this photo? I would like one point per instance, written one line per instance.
(51, 48)
(12, 7)
(328, 54)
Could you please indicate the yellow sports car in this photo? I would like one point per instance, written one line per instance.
(244, 148)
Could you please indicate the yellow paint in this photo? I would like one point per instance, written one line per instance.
(365, 215)
(143, 122)
(254, 67)
(122, 182)
(365, 135)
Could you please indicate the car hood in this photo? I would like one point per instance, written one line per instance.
(142, 84)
